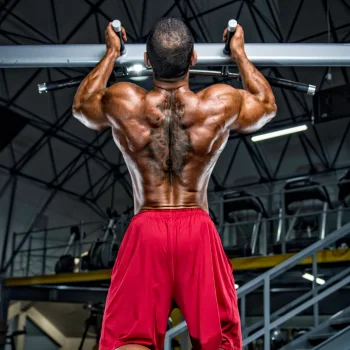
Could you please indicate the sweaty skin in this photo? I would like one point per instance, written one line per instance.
(171, 137)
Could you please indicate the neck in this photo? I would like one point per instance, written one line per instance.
(171, 85)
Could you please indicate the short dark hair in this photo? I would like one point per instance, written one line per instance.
(169, 48)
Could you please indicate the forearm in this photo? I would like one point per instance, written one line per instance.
(253, 81)
(97, 79)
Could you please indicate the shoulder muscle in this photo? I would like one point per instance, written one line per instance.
(122, 98)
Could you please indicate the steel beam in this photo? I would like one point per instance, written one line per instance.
(68, 294)
(269, 55)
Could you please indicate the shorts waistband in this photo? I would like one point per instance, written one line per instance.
(169, 213)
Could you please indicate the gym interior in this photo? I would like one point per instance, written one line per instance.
(279, 198)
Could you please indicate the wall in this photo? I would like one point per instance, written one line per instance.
(35, 339)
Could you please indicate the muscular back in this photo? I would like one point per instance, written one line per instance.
(170, 141)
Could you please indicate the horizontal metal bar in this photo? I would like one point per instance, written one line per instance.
(278, 82)
(58, 293)
(269, 55)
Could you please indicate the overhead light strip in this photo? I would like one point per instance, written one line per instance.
(278, 133)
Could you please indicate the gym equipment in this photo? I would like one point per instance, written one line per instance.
(261, 55)
(66, 261)
(103, 253)
(278, 339)
(232, 24)
(224, 73)
(117, 26)
(243, 201)
(301, 196)
(344, 190)
(94, 320)
(344, 200)
(231, 28)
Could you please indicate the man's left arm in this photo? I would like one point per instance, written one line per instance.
(88, 101)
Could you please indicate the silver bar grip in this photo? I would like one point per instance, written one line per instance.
(117, 26)
(231, 28)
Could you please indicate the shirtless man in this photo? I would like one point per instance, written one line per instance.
(171, 138)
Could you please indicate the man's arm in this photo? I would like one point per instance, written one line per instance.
(88, 106)
(250, 109)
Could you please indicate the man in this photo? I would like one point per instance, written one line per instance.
(171, 139)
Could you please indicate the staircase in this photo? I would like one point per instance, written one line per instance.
(333, 334)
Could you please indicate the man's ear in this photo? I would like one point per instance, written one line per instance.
(146, 60)
(194, 58)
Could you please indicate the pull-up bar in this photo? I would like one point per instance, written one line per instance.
(268, 55)
(278, 82)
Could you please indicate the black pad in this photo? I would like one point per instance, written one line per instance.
(102, 255)
(304, 222)
(65, 264)
(344, 188)
(298, 190)
(242, 200)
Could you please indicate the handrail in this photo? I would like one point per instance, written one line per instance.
(274, 272)
(294, 260)
(300, 299)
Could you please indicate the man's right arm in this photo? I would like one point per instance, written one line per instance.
(250, 109)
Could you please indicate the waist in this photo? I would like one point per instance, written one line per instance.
(171, 213)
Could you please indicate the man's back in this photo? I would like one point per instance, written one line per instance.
(170, 140)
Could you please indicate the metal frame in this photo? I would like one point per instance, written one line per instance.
(290, 55)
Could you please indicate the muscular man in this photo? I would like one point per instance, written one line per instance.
(171, 138)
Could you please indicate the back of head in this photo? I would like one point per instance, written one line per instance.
(169, 48)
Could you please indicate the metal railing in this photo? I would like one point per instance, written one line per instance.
(312, 298)
(42, 249)
(272, 228)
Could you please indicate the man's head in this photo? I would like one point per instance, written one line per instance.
(170, 49)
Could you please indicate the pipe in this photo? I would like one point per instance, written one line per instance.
(269, 55)
(277, 82)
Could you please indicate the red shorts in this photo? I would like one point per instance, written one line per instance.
(166, 255)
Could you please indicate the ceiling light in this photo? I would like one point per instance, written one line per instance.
(278, 133)
(136, 72)
(136, 68)
(311, 278)
(236, 286)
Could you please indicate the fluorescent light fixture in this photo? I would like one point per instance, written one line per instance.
(84, 254)
(278, 133)
(311, 278)
(236, 286)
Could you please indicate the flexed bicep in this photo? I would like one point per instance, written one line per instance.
(253, 113)
(88, 104)
(245, 112)
(89, 110)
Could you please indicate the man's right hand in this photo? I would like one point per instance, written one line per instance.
(113, 41)
(237, 42)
